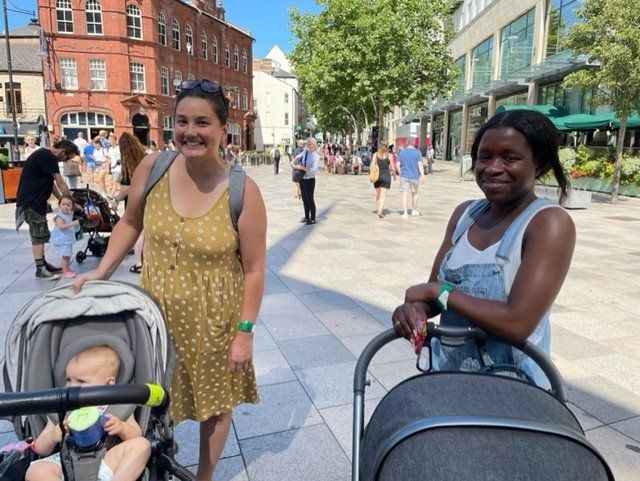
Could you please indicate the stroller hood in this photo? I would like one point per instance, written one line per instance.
(97, 298)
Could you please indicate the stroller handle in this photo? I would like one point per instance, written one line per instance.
(69, 398)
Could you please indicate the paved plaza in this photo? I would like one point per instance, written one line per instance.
(332, 287)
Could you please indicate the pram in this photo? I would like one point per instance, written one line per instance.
(459, 425)
(97, 216)
(57, 325)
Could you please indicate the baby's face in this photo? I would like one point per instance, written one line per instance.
(86, 373)
(66, 206)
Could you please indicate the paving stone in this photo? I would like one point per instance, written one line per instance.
(327, 301)
(329, 386)
(282, 407)
(586, 420)
(314, 351)
(394, 351)
(187, 435)
(262, 340)
(272, 368)
(621, 452)
(629, 427)
(393, 373)
(350, 322)
(340, 420)
(603, 399)
(227, 469)
(571, 345)
(309, 454)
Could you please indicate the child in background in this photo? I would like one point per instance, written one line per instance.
(95, 366)
(63, 235)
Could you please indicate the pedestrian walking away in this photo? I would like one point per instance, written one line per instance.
(430, 154)
(309, 165)
(504, 257)
(40, 175)
(275, 156)
(205, 248)
(411, 170)
(382, 159)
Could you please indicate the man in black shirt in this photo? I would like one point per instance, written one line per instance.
(36, 185)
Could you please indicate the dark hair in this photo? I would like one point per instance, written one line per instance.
(541, 136)
(131, 154)
(69, 147)
(218, 101)
(68, 197)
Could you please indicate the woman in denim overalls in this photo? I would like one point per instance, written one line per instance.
(504, 258)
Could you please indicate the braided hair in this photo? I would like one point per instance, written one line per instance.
(541, 136)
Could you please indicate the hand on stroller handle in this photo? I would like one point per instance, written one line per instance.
(70, 398)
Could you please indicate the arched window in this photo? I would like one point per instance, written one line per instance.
(134, 21)
(204, 46)
(227, 55)
(244, 61)
(64, 16)
(245, 99)
(176, 35)
(188, 38)
(162, 29)
(236, 58)
(214, 49)
(93, 14)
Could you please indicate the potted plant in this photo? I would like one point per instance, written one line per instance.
(576, 198)
(10, 178)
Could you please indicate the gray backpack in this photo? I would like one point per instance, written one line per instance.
(237, 178)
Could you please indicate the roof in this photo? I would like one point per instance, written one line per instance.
(278, 72)
(24, 57)
(31, 30)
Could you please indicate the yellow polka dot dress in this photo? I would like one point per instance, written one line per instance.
(192, 268)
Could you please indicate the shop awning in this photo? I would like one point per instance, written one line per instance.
(550, 111)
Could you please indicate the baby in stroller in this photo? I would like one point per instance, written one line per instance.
(126, 460)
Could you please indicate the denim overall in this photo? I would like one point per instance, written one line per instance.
(487, 281)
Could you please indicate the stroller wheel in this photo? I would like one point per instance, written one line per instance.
(80, 257)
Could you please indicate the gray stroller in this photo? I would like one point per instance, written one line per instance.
(57, 325)
(458, 425)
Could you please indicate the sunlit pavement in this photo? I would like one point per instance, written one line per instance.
(332, 287)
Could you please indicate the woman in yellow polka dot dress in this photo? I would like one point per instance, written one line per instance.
(208, 278)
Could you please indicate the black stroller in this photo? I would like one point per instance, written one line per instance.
(51, 329)
(97, 216)
(458, 425)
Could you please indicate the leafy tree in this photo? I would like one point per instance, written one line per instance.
(370, 55)
(610, 35)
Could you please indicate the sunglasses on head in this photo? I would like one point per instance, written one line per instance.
(204, 85)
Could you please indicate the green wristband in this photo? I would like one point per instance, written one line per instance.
(443, 296)
(245, 326)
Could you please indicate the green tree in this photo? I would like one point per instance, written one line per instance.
(370, 55)
(610, 35)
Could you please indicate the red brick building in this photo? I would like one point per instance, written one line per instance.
(114, 64)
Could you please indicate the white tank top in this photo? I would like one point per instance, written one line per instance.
(464, 253)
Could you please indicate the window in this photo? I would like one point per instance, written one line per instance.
(164, 81)
(460, 79)
(162, 29)
(286, 97)
(64, 16)
(227, 55)
(17, 97)
(554, 94)
(236, 58)
(168, 124)
(176, 35)
(214, 50)
(94, 17)
(68, 74)
(234, 132)
(244, 62)
(236, 97)
(204, 46)
(177, 79)
(188, 38)
(562, 16)
(286, 118)
(136, 70)
(516, 44)
(97, 75)
(245, 99)
(481, 64)
(191, 77)
(134, 21)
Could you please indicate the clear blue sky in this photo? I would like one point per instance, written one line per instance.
(267, 20)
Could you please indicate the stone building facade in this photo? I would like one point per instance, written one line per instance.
(115, 64)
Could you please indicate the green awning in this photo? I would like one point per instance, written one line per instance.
(550, 111)
(591, 122)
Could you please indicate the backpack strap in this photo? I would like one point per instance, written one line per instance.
(237, 180)
(160, 167)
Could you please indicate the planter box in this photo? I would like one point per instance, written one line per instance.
(576, 199)
(600, 185)
(10, 181)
